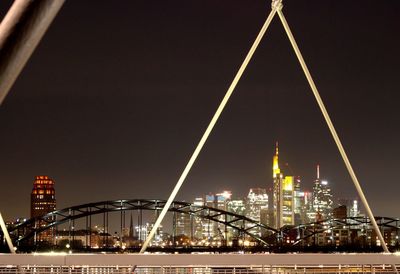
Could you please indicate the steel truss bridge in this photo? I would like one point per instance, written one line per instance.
(343, 231)
(241, 226)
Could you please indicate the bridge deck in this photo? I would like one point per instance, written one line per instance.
(198, 263)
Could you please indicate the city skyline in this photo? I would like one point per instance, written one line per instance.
(120, 119)
(300, 211)
(275, 170)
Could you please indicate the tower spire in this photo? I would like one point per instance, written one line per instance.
(275, 162)
(318, 171)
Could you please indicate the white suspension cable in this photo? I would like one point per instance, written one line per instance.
(332, 128)
(209, 129)
(6, 234)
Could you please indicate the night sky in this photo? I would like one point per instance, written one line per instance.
(118, 93)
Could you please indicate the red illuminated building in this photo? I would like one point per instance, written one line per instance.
(43, 201)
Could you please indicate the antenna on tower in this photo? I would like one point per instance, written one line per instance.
(318, 171)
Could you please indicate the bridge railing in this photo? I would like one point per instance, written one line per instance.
(199, 263)
(191, 270)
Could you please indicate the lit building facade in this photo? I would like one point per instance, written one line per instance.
(211, 230)
(287, 213)
(43, 201)
(43, 196)
(308, 207)
(183, 224)
(199, 226)
(237, 206)
(351, 205)
(257, 207)
(277, 186)
(283, 195)
(142, 231)
(354, 210)
(221, 202)
(322, 199)
(299, 203)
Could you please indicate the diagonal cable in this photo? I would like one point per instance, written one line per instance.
(331, 128)
(209, 128)
(6, 235)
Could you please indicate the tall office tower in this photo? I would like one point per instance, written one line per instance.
(142, 231)
(214, 230)
(43, 198)
(322, 199)
(354, 210)
(183, 224)
(257, 206)
(283, 198)
(236, 207)
(287, 190)
(200, 227)
(222, 200)
(209, 228)
(199, 231)
(43, 201)
(308, 207)
(277, 186)
(298, 202)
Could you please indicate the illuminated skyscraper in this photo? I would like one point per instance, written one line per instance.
(277, 194)
(298, 202)
(256, 207)
(237, 207)
(212, 230)
(322, 198)
(308, 207)
(183, 224)
(43, 201)
(200, 227)
(287, 213)
(275, 163)
(43, 198)
(222, 199)
(221, 202)
(354, 210)
(283, 198)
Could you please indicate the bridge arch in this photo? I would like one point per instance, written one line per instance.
(309, 232)
(240, 223)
